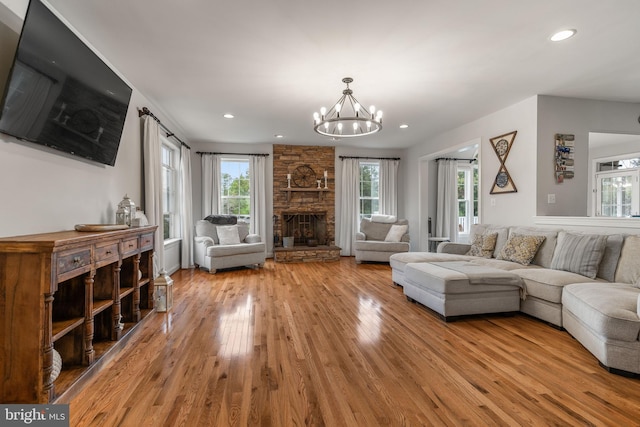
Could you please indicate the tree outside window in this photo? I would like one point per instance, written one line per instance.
(369, 189)
(235, 188)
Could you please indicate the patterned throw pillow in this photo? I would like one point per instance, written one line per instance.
(579, 253)
(521, 248)
(483, 245)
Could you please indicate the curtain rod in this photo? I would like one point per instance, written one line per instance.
(234, 154)
(369, 158)
(453, 158)
(145, 111)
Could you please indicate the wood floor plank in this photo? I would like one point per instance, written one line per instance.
(338, 344)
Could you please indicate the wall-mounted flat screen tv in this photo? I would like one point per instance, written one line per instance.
(61, 94)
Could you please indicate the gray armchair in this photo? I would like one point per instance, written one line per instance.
(221, 242)
(375, 243)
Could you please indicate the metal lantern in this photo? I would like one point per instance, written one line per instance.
(126, 211)
(163, 292)
(121, 215)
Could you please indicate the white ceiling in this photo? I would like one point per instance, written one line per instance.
(433, 64)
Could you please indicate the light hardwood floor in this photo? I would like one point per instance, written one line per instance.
(337, 344)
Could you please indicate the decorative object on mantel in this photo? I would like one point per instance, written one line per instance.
(564, 162)
(502, 145)
(100, 227)
(326, 174)
(163, 292)
(347, 118)
(304, 176)
(139, 219)
(126, 211)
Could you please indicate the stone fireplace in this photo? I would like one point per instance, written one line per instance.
(305, 212)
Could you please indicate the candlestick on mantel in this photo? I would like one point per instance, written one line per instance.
(288, 180)
(325, 180)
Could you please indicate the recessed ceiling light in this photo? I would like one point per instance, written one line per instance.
(404, 126)
(563, 35)
(278, 135)
(228, 116)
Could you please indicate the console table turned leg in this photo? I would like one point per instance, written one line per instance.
(89, 353)
(47, 357)
(116, 330)
(136, 289)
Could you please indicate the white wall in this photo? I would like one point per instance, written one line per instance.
(43, 190)
(510, 208)
(578, 117)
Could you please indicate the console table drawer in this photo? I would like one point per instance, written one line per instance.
(130, 246)
(74, 261)
(146, 241)
(107, 253)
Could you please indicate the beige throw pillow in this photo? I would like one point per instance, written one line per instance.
(579, 253)
(228, 234)
(628, 266)
(483, 245)
(521, 248)
(395, 233)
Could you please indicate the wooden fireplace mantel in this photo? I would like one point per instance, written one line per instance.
(320, 192)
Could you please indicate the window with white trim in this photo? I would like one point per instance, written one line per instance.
(369, 189)
(235, 188)
(617, 187)
(170, 156)
(467, 198)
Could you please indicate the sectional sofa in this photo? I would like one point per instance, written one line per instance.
(587, 284)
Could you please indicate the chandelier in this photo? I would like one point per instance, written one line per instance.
(347, 118)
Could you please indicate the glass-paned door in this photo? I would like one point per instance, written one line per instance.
(617, 193)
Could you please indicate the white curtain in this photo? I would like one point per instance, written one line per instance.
(153, 187)
(350, 206)
(257, 196)
(447, 200)
(211, 185)
(389, 187)
(186, 207)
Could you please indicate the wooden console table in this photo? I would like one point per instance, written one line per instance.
(77, 292)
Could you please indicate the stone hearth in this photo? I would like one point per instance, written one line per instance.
(321, 253)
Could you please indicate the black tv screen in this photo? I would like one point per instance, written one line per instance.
(61, 94)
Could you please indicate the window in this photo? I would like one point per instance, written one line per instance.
(170, 156)
(369, 189)
(235, 188)
(467, 198)
(617, 193)
(617, 188)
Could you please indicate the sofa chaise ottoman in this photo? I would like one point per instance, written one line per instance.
(459, 288)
